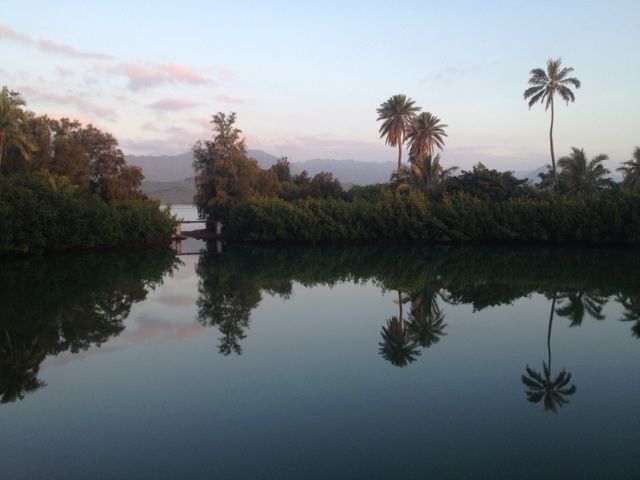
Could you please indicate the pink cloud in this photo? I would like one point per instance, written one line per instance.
(80, 103)
(173, 104)
(225, 72)
(48, 46)
(229, 99)
(149, 75)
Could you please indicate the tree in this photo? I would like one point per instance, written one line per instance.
(543, 87)
(13, 134)
(282, 169)
(579, 176)
(396, 115)
(425, 135)
(224, 174)
(427, 175)
(486, 184)
(631, 171)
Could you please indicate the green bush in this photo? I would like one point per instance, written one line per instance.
(40, 212)
(606, 217)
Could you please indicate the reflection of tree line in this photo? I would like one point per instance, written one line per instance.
(54, 304)
(578, 283)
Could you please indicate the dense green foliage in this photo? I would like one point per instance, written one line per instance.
(605, 217)
(40, 212)
(64, 185)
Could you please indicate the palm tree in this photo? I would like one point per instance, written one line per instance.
(543, 87)
(551, 391)
(12, 119)
(427, 174)
(396, 115)
(425, 134)
(579, 176)
(631, 170)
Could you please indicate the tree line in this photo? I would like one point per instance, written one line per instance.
(67, 185)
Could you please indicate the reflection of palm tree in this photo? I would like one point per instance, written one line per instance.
(426, 321)
(578, 304)
(551, 391)
(398, 346)
(631, 304)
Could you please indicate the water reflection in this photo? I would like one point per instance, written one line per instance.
(553, 392)
(54, 304)
(581, 281)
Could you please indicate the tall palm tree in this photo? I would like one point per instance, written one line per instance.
(543, 87)
(12, 129)
(579, 176)
(551, 391)
(396, 115)
(427, 174)
(631, 171)
(426, 133)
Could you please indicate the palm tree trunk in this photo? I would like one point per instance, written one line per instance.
(553, 309)
(1, 149)
(399, 154)
(400, 307)
(553, 156)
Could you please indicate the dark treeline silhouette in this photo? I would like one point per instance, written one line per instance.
(232, 284)
(55, 304)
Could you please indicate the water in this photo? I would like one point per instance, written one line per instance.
(321, 363)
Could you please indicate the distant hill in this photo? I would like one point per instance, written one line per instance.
(347, 171)
(175, 193)
(170, 177)
(171, 168)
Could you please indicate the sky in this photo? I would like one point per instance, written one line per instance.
(305, 78)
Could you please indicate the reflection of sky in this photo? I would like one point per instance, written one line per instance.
(311, 394)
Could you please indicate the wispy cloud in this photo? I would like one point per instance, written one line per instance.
(173, 104)
(47, 46)
(80, 103)
(149, 75)
(228, 99)
(225, 72)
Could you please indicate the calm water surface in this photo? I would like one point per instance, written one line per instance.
(321, 363)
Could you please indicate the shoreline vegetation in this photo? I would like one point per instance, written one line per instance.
(66, 186)
(575, 202)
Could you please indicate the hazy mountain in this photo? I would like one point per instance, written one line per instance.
(347, 171)
(531, 175)
(172, 168)
(175, 168)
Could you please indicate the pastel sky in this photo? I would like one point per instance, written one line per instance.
(306, 77)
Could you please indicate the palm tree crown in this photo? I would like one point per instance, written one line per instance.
(544, 86)
(12, 125)
(396, 114)
(427, 174)
(426, 133)
(577, 175)
(631, 171)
